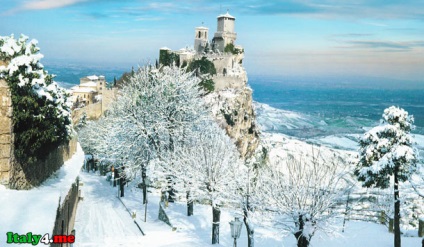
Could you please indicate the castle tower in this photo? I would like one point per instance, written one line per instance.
(225, 32)
(200, 39)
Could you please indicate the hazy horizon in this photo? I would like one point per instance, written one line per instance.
(288, 37)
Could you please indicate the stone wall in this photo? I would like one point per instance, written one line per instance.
(96, 110)
(108, 96)
(93, 111)
(66, 214)
(23, 176)
(6, 131)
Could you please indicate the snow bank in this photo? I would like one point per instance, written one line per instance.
(35, 210)
(282, 146)
(346, 142)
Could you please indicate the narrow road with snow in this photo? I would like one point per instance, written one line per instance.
(101, 218)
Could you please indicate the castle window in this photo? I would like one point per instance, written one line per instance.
(200, 34)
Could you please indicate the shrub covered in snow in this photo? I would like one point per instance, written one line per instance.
(300, 197)
(41, 112)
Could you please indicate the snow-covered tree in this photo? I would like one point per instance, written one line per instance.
(210, 169)
(41, 111)
(387, 151)
(155, 111)
(249, 187)
(96, 137)
(81, 122)
(301, 198)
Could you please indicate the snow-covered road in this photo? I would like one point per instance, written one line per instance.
(101, 218)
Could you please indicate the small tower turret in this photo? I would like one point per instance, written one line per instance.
(225, 32)
(201, 39)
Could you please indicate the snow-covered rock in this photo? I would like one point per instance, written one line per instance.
(233, 110)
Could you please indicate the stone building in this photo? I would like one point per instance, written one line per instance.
(201, 39)
(88, 90)
(224, 34)
(91, 98)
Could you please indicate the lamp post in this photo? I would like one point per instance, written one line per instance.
(147, 183)
(236, 226)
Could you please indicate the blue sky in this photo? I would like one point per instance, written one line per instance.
(379, 38)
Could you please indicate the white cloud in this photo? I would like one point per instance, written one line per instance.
(49, 4)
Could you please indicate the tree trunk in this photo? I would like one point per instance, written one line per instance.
(144, 187)
(250, 230)
(189, 205)
(302, 240)
(216, 217)
(144, 194)
(397, 209)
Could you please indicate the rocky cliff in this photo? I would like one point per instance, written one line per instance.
(233, 108)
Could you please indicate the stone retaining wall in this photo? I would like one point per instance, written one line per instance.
(25, 177)
(66, 213)
(6, 131)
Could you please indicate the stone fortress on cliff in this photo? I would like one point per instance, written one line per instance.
(231, 99)
(226, 56)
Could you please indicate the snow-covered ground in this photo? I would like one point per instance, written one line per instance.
(103, 221)
(315, 130)
(23, 211)
(101, 218)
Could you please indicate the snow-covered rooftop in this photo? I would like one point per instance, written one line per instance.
(165, 48)
(93, 77)
(226, 15)
(84, 90)
(88, 84)
(202, 27)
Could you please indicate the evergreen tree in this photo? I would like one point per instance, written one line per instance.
(387, 151)
(204, 69)
(41, 113)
